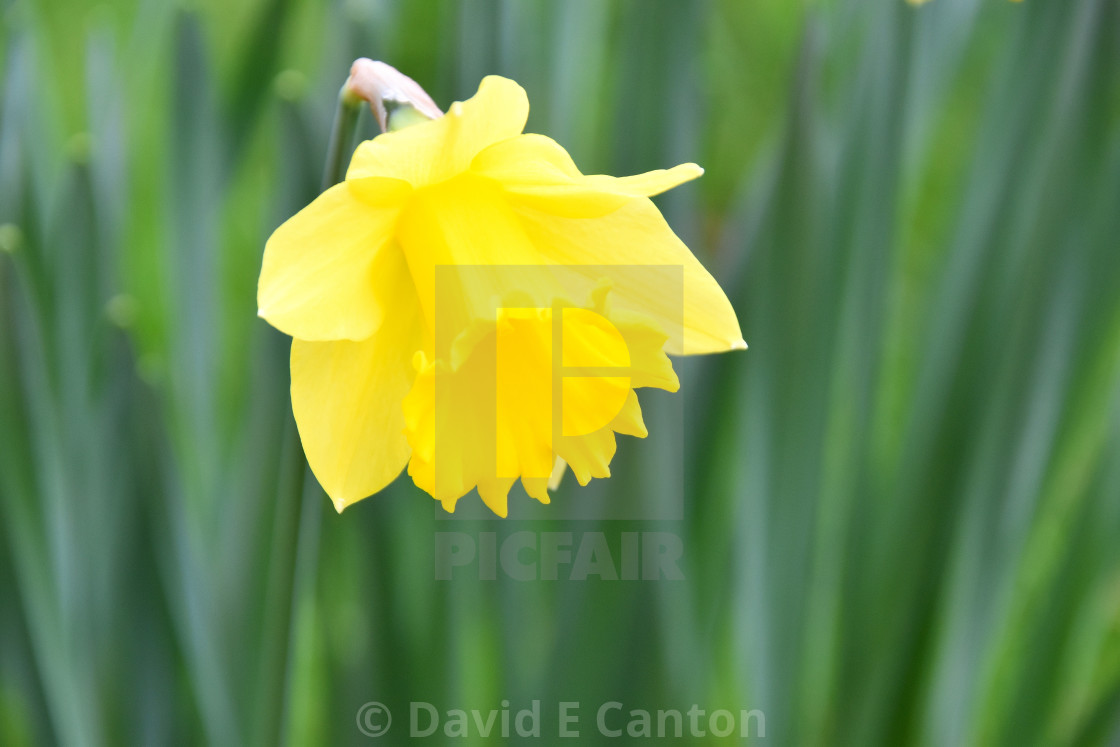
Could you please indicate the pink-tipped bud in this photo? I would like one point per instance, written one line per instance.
(386, 88)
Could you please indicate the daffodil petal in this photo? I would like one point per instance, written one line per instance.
(495, 494)
(347, 397)
(538, 487)
(621, 246)
(650, 183)
(528, 159)
(464, 232)
(629, 421)
(650, 368)
(588, 456)
(536, 171)
(497, 112)
(316, 281)
(450, 428)
(402, 154)
(430, 152)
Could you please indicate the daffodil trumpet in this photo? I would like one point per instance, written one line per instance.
(467, 304)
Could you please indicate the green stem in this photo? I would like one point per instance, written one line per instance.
(302, 500)
(342, 137)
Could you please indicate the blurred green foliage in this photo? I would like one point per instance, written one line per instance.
(902, 505)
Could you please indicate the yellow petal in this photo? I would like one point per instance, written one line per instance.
(525, 160)
(592, 221)
(450, 428)
(588, 456)
(537, 172)
(652, 273)
(650, 183)
(464, 233)
(347, 396)
(495, 494)
(316, 279)
(431, 152)
(649, 366)
(630, 422)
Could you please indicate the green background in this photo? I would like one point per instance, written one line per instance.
(901, 518)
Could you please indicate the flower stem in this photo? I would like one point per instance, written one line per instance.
(300, 519)
(341, 144)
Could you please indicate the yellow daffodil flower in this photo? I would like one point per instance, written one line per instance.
(468, 304)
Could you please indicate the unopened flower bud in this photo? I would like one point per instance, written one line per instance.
(391, 94)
